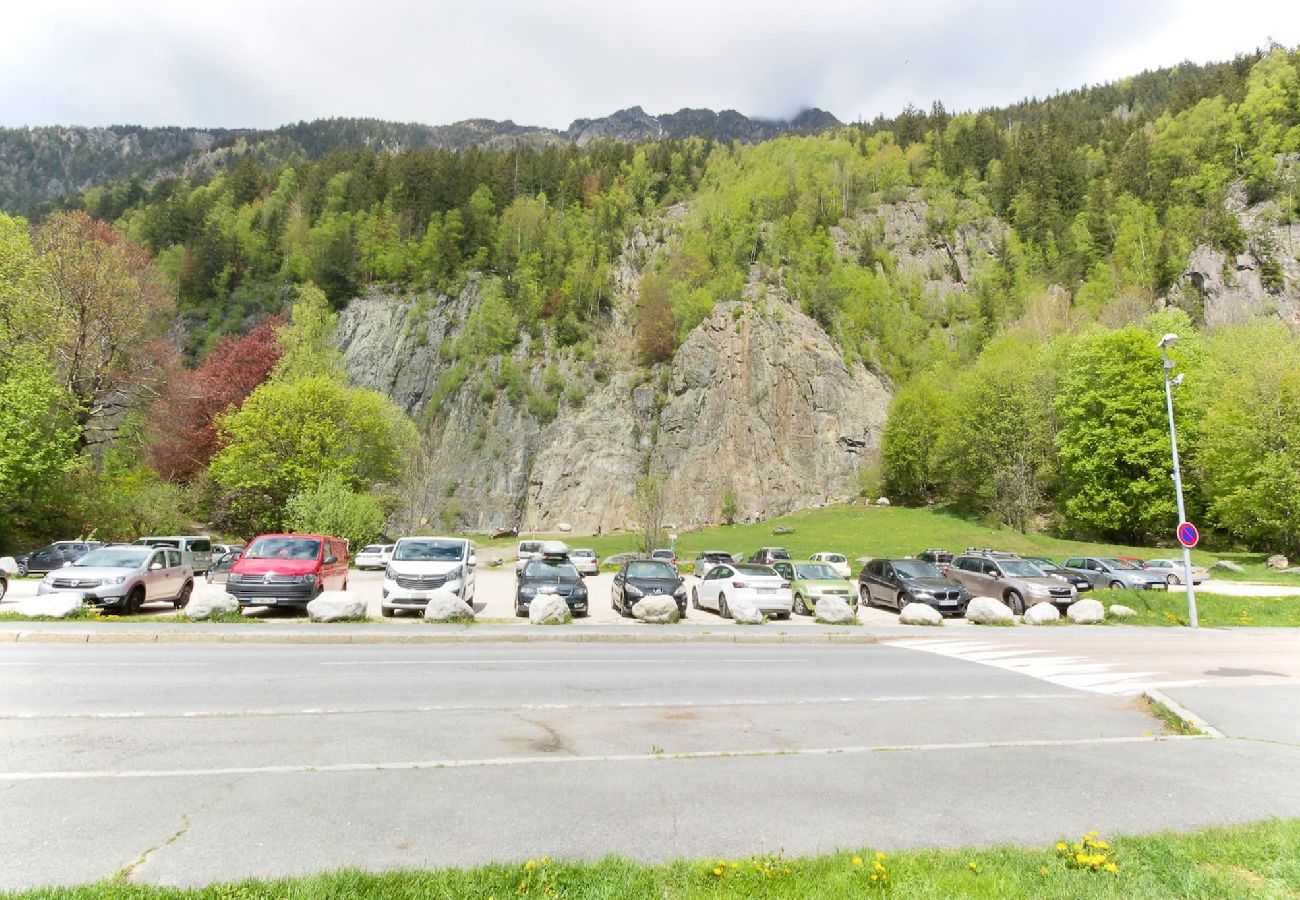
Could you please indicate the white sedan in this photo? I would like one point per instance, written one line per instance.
(734, 584)
(836, 561)
(1172, 569)
(585, 561)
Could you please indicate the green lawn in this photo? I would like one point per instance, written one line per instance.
(1154, 608)
(879, 531)
(1259, 860)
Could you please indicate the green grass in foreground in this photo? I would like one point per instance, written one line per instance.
(1258, 860)
(1154, 608)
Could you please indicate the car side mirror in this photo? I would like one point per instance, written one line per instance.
(331, 560)
(473, 560)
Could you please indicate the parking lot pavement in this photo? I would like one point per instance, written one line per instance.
(215, 762)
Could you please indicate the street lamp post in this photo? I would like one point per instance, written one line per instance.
(1167, 367)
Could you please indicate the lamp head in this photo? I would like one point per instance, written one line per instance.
(1177, 380)
(1168, 341)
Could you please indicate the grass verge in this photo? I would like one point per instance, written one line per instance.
(1174, 723)
(1257, 860)
(1155, 608)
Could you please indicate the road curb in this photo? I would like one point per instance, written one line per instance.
(469, 637)
(1187, 717)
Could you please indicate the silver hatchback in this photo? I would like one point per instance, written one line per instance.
(125, 577)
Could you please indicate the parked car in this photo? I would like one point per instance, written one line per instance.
(765, 556)
(220, 549)
(1081, 584)
(898, 582)
(837, 561)
(585, 560)
(125, 577)
(551, 573)
(638, 578)
(219, 571)
(707, 559)
(53, 556)
(1016, 582)
(4, 583)
(1108, 572)
(288, 569)
(729, 583)
(372, 556)
(935, 556)
(1134, 561)
(668, 556)
(1172, 570)
(196, 549)
(810, 581)
(422, 565)
(527, 550)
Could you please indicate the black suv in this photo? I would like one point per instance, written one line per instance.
(639, 578)
(550, 574)
(53, 557)
(899, 582)
(935, 555)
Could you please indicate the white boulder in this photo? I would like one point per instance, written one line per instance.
(1278, 561)
(987, 611)
(1041, 613)
(1086, 612)
(336, 606)
(835, 611)
(882, 501)
(745, 614)
(656, 610)
(1122, 612)
(565, 527)
(549, 609)
(209, 603)
(919, 614)
(8, 565)
(52, 606)
(444, 606)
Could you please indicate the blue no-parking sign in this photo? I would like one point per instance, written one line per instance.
(1187, 534)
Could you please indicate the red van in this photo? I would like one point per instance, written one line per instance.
(288, 569)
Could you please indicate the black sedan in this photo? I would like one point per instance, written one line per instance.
(54, 556)
(898, 582)
(550, 575)
(1080, 583)
(647, 578)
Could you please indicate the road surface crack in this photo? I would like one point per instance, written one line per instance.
(126, 875)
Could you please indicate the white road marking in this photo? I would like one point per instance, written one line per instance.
(569, 760)
(1078, 672)
(532, 707)
(654, 661)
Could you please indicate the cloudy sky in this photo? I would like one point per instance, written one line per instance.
(267, 62)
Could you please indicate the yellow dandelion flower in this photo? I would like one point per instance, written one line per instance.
(1042, 870)
(1111, 867)
(530, 865)
(873, 876)
(857, 860)
(545, 860)
(879, 855)
(1060, 845)
(717, 870)
(878, 866)
(974, 866)
(735, 865)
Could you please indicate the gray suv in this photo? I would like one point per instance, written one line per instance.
(125, 577)
(1107, 572)
(1016, 582)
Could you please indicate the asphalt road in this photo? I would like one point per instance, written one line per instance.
(185, 764)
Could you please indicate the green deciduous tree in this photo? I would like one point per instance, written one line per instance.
(307, 340)
(909, 447)
(333, 508)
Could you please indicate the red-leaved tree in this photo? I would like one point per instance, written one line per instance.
(182, 423)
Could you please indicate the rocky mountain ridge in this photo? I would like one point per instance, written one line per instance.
(42, 165)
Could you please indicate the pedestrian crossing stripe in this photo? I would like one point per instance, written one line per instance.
(1076, 672)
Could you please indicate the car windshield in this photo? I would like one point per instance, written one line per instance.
(816, 572)
(646, 569)
(1160, 563)
(1121, 564)
(916, 568)
(662, 554)
(542, 569)
(429, 551)
(718, 556)
(756, 570)
(284, 548)
(158, 542)
(1020, 568)
(116, 557)
(834, 558)
(1047, 565)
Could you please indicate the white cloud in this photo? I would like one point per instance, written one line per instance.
(267, 62)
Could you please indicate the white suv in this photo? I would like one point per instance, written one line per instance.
(422, 565)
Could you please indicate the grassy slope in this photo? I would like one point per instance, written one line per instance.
(1212, 610)
(1260, 860)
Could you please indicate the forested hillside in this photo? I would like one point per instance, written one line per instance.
(561, 321)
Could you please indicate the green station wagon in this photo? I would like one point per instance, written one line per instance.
(810, 581)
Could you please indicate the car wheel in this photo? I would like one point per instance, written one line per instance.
(723, 609)
(22, 570)
(1016, 602)
(1117, 585)
(864, 596)
(902, 600)
(1173, 579)
(134, 600)
(800, 606)
(184, 599)
(695, 598)
(4, 588)
(520, 612)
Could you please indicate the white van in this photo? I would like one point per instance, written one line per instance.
(196, 549)
(422, 565)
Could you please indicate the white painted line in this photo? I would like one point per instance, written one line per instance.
(532, 707)
(654, 661)
(569, 760)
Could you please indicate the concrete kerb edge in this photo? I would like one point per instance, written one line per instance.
(1183, 713)
(466, 637)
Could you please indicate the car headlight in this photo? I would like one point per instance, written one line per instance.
(920, 593)
(115, 579)
(389, 573)
(578, 593)
(304, 579)
(455, 574)
(680, 592)
(633, 591)
(528, 590)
